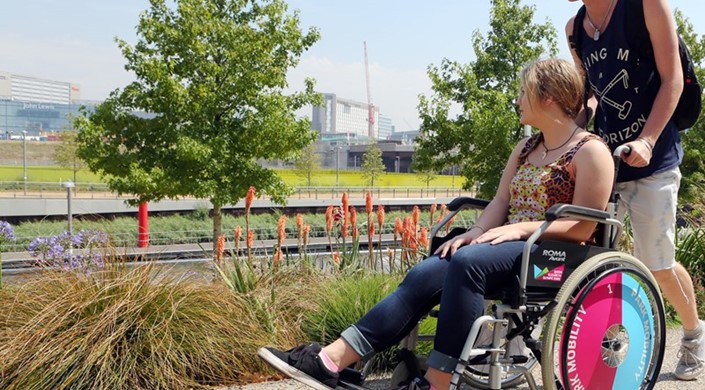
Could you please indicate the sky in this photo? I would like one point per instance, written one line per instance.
(73, 41)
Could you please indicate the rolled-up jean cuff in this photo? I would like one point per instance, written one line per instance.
(441, 362)
(358, 342)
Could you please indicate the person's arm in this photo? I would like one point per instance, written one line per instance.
(583, 117)
(594, 174)
(662, 32)
(495, 214)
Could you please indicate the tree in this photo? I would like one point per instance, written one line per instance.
(372, 164)
(480, 138)
(307, 164)
(66, 153)
(207, 103)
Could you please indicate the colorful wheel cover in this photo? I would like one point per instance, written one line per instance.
(610, 341)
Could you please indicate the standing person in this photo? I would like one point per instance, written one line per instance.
(561, 164)
(634, 97)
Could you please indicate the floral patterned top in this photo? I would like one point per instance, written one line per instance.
(534, 189)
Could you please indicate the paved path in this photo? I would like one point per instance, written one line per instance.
(667, 381)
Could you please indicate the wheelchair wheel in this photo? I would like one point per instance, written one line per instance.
(607, 330)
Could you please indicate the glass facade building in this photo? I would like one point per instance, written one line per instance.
(36, 106)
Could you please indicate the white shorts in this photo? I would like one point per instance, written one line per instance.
(651, 204)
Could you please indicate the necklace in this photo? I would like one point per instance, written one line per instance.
(546, 150)
(596, 34)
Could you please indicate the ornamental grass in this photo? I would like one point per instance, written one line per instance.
(141, 328)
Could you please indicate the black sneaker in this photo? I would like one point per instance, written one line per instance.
(302, 364)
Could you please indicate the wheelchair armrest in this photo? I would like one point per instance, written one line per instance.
(464, 202)
(568, 210)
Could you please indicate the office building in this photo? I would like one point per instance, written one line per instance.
(343, 120)
(36, 106)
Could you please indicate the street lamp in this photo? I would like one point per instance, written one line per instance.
(336, 149)
(24, 160)
(69, 185)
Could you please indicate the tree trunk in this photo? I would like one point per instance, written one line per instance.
(217, 222)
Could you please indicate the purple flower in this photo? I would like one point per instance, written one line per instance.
(7, 233)
(57, 251)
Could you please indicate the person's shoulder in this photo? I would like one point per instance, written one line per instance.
(593, 147)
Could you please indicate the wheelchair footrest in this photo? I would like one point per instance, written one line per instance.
(514, 359)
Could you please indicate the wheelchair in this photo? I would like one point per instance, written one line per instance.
(591, 316)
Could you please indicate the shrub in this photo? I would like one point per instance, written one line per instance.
(137, 328)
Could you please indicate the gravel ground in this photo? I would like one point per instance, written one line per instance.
(667, 381)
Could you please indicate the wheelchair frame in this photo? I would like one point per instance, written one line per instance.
(609, 282)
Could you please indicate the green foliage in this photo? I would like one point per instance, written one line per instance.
(693, 165)
(65, 153)
(210, 76)
(481, 137)
(306, 165)
(690, 253)
(372, 164)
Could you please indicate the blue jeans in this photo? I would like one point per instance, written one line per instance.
(473, 272)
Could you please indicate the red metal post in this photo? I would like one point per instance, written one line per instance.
(143, 232)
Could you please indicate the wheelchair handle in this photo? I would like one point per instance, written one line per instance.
(621, 150)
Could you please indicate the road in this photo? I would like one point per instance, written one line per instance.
(666, 381)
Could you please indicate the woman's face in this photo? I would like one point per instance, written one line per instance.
(527, 110)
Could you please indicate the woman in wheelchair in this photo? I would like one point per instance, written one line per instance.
(562, 163)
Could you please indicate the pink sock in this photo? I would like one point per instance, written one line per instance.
(328, 362)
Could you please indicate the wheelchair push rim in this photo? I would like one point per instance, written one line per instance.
(607, 330)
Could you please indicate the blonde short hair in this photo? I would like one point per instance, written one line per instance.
(555, 78)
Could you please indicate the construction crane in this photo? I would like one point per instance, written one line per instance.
(370, 107)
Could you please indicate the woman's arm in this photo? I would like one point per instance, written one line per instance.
(664, 41)
(495, 214)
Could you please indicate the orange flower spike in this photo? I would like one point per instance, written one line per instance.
(370, 225)
(307, 232)
(346, 206)
(237, 232)
(220, 247)
(277, 257)
(380, 216)
(336, 257)
(398, 227)
(281, 230)
(433, 211)
(353, 216)
(368, 202)
(250, 238)
(329, 219)
(299, 221)
(423, 238)
(249, 198)
(345, 231)
(355, 232)
(415, 217)
(450, 223)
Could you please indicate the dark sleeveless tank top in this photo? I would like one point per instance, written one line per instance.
(625, 87)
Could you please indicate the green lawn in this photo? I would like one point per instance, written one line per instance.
(322, 178)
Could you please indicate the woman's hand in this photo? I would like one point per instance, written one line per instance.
(512, 232)
(449, 247)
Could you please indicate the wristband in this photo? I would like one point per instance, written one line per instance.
(477, 226)
(647, 143)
